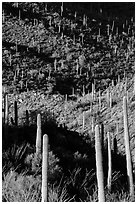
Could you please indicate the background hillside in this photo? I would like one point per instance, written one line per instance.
(52, 54)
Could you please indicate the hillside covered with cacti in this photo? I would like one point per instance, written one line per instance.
(71, 64)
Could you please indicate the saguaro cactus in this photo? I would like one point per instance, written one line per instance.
(127, 147)
(16, 113)
(38, 137)
(93, 91)
(45, 169)
(99, 166)
(83, 91)
(6, 108)
(102, 136)
(92, 124)
(83, 121)
(6, 116)
(109, 162)
(99, 99)
(27, 118)
(110, 102)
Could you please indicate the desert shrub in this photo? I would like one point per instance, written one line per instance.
(13, 158)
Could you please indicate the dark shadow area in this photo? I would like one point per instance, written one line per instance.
(29, 51)
(65, 144)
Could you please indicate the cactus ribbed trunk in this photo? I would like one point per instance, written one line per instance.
(109, 162)
(127, 147)
(38, 137)
(99, 166)
(45, 169)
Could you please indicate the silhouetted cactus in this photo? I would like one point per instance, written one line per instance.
(99, 166)
(127, 147)
(45, 169)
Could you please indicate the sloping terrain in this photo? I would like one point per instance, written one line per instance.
(50, 61)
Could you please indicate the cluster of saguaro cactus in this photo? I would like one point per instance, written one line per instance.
(99, 137)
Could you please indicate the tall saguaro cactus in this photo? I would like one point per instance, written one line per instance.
(45, 169)
(99, 166)
(109, 162)
(38, 137)
(127, 147)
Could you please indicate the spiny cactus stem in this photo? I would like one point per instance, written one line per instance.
(99, 166)
(45, 169)
(127, 147)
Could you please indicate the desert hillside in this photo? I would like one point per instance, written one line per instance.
(73, 64)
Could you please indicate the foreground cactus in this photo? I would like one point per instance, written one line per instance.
(99, 166)
(109, 162)
(45, 169)
(127, 147)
